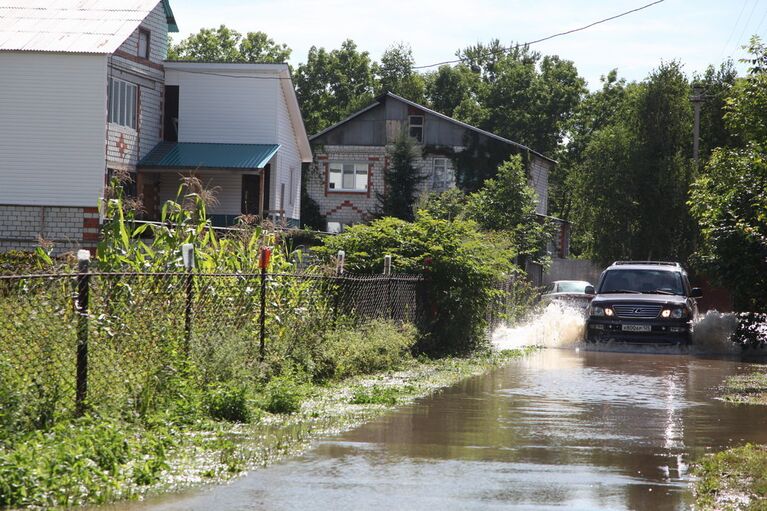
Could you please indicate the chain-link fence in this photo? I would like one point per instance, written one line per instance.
(114, 342)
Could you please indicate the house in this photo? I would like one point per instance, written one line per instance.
(350, 157)
(239, 129)
(85, 91)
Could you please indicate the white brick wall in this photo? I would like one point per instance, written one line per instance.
(22, 226)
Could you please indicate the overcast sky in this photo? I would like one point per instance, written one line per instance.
(697, 33)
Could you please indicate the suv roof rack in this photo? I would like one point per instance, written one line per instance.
(659, 263)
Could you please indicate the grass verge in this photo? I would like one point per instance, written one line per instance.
(735, 479)
(97, 460)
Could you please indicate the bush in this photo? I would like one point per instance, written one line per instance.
(283, 395)
(461, 266)
(229, 402)
(375, 395)
(375, 346)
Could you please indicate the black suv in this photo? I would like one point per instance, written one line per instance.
(643, 302)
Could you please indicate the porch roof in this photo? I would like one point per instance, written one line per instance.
(192, 156)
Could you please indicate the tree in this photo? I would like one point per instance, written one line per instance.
(333, 84)
(631, 175)
(223, 44)
(449, 87)
(507, 203)
(729, 199)
(401, 180)
(396, 74)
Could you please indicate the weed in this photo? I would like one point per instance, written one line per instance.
(283, 395)
(376, 395)
(229, 402)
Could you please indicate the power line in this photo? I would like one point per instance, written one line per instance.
(560, 34)
(739, 42)
(734, 28)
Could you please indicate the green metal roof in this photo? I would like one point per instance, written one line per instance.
(172, 27)
(189, 155)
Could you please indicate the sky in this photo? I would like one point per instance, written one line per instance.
(697, 33)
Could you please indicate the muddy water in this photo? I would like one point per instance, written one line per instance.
(563, 428)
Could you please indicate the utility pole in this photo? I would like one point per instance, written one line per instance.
(697, 99)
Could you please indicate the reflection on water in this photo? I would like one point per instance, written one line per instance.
(585, 430)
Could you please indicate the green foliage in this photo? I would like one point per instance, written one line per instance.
(401, 180)
(395, 74)
(283, 395)
(447, 205)
(450, 87)
(87, 461)
(740, 471)
(374, 346)
(223, 44)
(730, 202)
(376, 395)
(507, 203)
(633, 174)
(729, 199)
(17, 262)
(461, 268)
(333, 84)
(229, 402)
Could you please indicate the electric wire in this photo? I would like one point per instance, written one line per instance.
(739, 42)
(559, 34)
(734, 28)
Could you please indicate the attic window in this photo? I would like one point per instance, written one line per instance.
(416, 127)
(143, 43)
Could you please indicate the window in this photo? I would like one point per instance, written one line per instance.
(416, 127)
(122, 103)
(442, 175)
(143, 43)
(348, 177)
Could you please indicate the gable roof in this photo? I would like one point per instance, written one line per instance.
(382, 98)
(73, 26)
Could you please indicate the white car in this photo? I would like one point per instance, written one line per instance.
(569, 292)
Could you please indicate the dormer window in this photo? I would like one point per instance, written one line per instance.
(143, 43)
(416, 127)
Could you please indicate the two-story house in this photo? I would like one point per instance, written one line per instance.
(350, 157)
(85, 90)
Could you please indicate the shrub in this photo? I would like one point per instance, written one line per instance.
(375, 395)
(229, 402)
(461, 266)
(374, 346)
(283, 395)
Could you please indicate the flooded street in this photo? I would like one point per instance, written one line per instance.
(561, 428)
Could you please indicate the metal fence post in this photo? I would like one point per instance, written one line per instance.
(81, 306)
(387, 274)
(187, 253)
(266, 254)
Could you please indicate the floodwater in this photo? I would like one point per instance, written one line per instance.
(561, 428)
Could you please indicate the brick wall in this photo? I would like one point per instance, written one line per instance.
(355, 207)
(69, 228)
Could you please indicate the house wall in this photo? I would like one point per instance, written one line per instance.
(52, 128)
(125, 145)
(226, 184)
(288, 163)
(538, 170)
(52, 132)
(221, 109)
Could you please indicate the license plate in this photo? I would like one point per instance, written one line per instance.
(636, 328)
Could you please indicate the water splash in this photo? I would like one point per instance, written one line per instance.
(555, 326)
(561, 326)
(713, 333)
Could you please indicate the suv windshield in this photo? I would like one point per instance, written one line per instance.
(571, 287)
(642, 281)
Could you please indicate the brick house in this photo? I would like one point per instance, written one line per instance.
(350, 157)
(85, 90)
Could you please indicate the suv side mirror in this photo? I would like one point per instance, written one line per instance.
(696, 292)
(589, 290)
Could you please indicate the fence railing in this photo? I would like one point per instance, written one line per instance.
(105, 339)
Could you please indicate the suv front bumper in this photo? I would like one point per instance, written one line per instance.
(660, 331)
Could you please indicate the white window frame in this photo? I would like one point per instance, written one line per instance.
(122, 103)
(416, 126)
(358, 169)
(440, 183)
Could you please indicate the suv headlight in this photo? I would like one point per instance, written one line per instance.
(676, 313)
(597, 311)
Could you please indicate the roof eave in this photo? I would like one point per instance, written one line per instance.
(171, 19)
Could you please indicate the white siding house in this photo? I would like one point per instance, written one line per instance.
(252, 106)
(61, 126)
